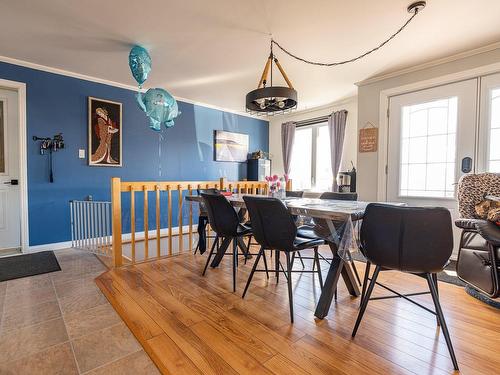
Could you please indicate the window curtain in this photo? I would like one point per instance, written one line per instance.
(336, 125)
(287, 137)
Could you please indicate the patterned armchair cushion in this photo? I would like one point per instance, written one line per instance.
(473, 188)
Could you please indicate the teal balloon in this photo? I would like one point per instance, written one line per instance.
(160, 107)
(140, 64)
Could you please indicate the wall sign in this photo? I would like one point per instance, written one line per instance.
(368, 138)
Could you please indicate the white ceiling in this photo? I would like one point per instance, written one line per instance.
(213, 51)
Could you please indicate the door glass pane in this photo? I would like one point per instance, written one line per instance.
(2, 139)
(494, 133)
(300, 168)
(324, 179)
(427, 160)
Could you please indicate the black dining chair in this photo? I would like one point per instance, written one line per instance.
(275, 229)
(226, 223)
(307, 231)
(415, 240)
(294, 194)
(202, 222)
(340, 196)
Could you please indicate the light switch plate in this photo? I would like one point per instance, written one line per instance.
(81, 153)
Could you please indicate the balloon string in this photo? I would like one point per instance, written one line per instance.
(160, 139)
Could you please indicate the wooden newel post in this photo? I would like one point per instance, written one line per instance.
(116, 217)
(289, 185)
(222, 183)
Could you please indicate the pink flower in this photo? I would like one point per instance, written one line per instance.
(275, 177)
(278, 183)
(267, 178)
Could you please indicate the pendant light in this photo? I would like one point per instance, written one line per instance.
(272, 100)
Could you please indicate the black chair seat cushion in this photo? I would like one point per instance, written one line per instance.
(306, 231)
(306, 243)
(244, 229)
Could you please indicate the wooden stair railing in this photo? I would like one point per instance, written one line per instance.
(129, 189)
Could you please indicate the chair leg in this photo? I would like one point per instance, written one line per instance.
(439, 313)
(289, 282)
(336, 289)
(197, 247)
(316, 260)
(210, 256)
(235, 262)
(364, 303)
(265, 264)
(365, 280)
(355, 270)
(301, 260)
(435, 279)
(277, 265)
(293, 259)
(248, 248)
(253, 271)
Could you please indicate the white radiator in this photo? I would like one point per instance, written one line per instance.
(91, 226)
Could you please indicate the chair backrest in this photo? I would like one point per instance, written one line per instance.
(221, 214)
(203, 209)
(339, 196)
(472, 188)
(412, 239)
(208, 191)
(272, 225)
(294, 194)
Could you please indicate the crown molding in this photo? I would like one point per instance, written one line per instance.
(430, 64)
(102, 81)
(335, 103)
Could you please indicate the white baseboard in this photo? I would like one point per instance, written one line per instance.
(49, 246)
(125, 237)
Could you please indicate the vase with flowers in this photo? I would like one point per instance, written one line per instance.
(277, 186)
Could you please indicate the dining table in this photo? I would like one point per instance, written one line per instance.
(333, 220)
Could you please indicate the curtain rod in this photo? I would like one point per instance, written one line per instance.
(314, 121)
(311, 121)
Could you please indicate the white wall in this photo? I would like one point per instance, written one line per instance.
(369, 108)
(350, 141)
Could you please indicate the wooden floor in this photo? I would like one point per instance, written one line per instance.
(191, 324)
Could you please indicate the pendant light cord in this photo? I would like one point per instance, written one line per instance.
(354, 58)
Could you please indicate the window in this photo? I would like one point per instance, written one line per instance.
(494, 149)
(427, 161)
(310, 166)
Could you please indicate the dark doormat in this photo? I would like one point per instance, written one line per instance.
(15, 267)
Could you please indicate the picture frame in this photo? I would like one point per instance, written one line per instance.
(105, 128)
(229, 146)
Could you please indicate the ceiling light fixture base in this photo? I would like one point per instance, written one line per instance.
(416, 7)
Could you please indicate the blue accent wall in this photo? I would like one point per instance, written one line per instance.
(57, 103)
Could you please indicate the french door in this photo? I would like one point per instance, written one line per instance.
(432, 143)
(488, 155)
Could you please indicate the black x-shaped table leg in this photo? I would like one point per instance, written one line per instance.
(337, 267)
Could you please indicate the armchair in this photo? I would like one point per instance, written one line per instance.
(478, 262)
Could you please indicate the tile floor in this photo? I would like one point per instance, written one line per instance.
(60, 323)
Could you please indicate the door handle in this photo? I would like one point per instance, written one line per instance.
(12, 182)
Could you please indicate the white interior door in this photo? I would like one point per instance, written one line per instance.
(489, 126)
(10, 198)
(431, 134)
